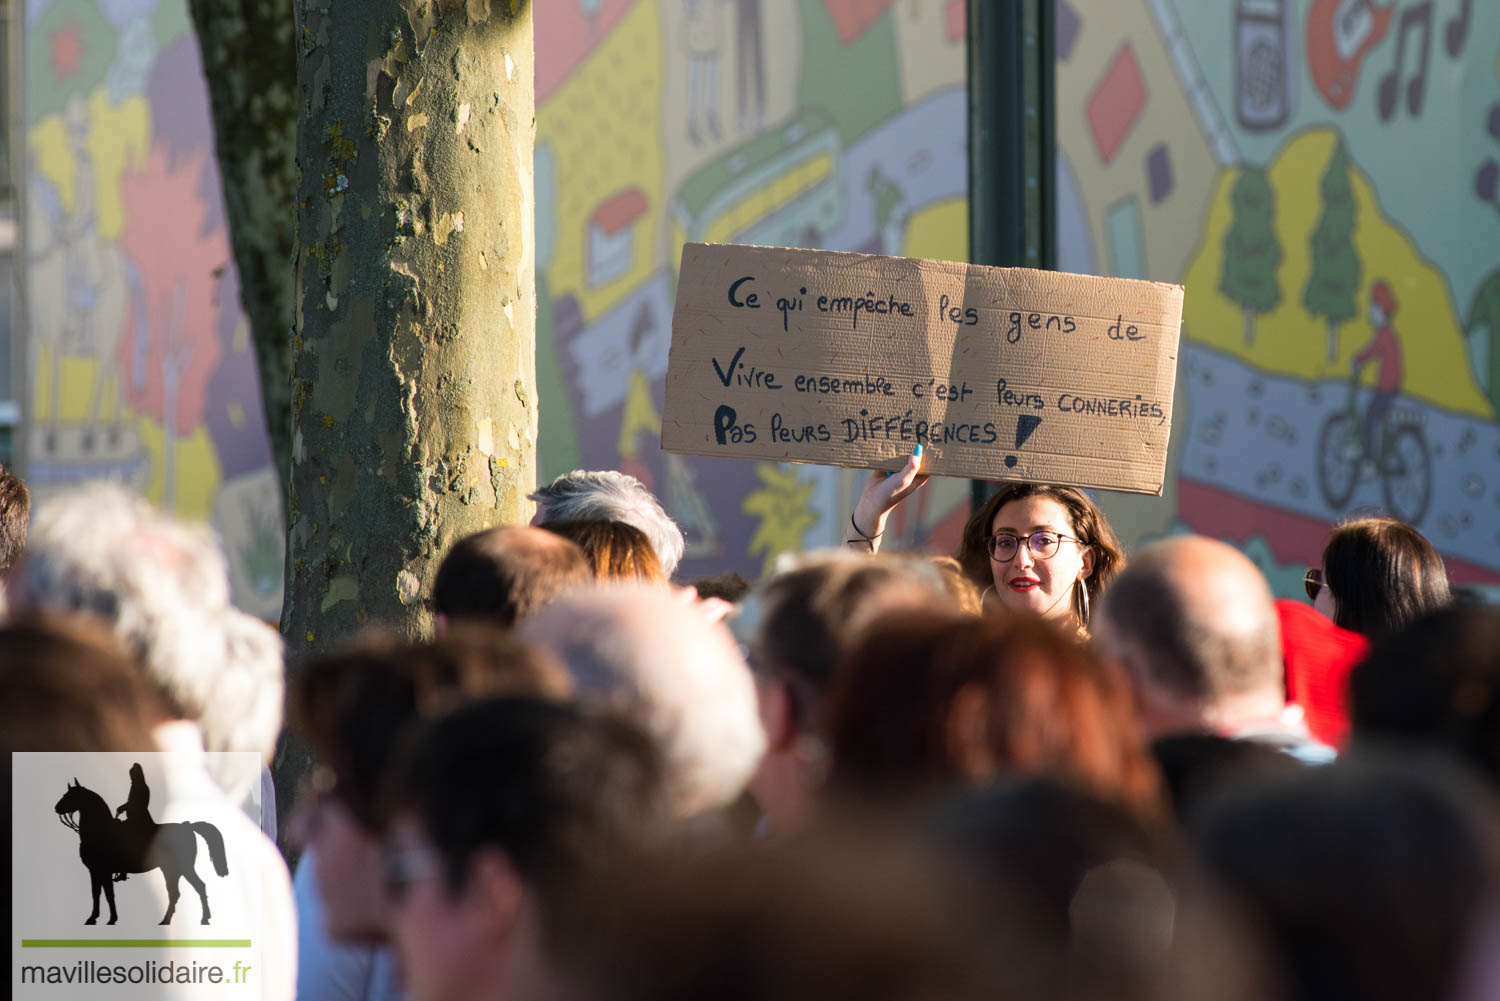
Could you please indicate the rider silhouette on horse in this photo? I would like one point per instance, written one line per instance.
(138, 827)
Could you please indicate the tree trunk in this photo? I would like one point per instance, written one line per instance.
(1333, 342)
(249, 63)
(1249, 327)
(414, 414)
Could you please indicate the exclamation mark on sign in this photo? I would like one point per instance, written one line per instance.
(1024, 427)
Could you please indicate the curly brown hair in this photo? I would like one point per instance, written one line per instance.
(1088, 522)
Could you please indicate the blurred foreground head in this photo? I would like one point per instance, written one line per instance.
(796, 920)
(503, 810)
(651, 655)
(1436, 682)
(926, 701)
(1374, 879)
(357, 710)
(798, 624)
(67, 685)
(163, 588)
(1076, 898)
(605, 495)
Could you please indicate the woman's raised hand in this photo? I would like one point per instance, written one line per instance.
(882, 493)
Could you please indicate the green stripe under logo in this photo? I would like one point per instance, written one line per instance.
(135, 943)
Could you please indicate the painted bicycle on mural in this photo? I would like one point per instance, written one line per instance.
(1385, 441)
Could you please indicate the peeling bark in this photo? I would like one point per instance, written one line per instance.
(413, 404)
(249, 64)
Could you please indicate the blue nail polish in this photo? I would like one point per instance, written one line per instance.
(917, 451)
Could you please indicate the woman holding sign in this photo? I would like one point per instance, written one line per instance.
(1032, 547)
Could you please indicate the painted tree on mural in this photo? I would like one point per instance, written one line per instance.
(1333, 286)
(1484, 314)
(248, 63)
(1252, 253)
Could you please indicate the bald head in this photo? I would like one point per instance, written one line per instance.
(645, 650)
(1195, 617)
(503, 574)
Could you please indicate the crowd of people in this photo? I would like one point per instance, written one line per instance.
(1040, 768)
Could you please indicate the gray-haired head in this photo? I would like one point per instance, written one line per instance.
(163, 587)
(606, 495)
(649, 653)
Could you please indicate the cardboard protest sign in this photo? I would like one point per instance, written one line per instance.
(853, 360)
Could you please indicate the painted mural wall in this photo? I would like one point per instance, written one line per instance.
(811, 123)
(139, 355)
(1320, 174)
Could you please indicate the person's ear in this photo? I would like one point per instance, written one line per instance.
(1088, 563)
(439, 623)
(775, 703)
(495, 890)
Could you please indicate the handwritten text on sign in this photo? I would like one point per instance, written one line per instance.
(852, 360)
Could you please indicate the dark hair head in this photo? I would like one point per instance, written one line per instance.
(1088, 521)
(1437, 682)
(846, 916)
(1383, 574)
(560, 791)
(731, 587)
(615, 550)
(1078, 899)
(67, 685)
(504, 574)
(15, 516)
(926, 699)
(809, 615)
(1369, 875)
(1200, 766)
(355, 708)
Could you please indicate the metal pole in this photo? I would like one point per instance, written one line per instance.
(1012, 140)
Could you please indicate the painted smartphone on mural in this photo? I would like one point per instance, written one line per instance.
(1263, 64)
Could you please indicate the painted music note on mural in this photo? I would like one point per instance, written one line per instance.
(1413, 17)
(1457, 31)
(1487, 181)
(1340, 33)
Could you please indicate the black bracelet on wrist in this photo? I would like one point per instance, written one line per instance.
(866, 538)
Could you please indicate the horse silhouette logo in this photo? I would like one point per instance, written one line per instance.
(111, 849)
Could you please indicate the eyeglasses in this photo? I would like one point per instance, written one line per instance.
(1313, 581)
(1043, 545)
(401, 867)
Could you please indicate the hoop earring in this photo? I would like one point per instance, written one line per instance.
(982, 594)
(1084, 589)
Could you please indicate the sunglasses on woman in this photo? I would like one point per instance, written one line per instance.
(1313, 581)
